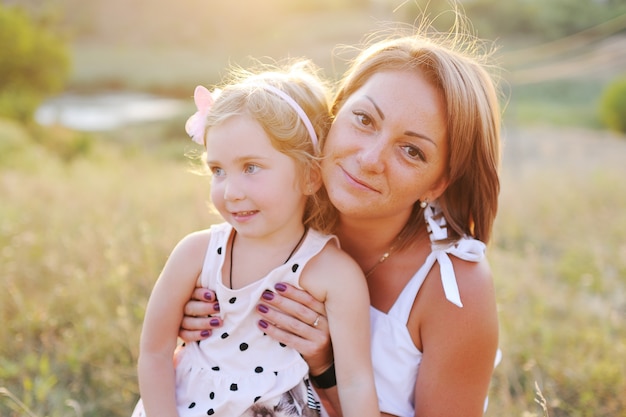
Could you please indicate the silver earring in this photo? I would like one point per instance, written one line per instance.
(423, 203)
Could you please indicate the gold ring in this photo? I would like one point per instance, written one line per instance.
(317, 321)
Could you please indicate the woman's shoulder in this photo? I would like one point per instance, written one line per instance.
(475, 322)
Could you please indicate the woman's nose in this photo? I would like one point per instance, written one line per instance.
(371, 156)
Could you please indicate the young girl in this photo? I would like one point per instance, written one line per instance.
(261, 136)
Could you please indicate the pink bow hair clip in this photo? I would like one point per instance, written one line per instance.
(196, 124)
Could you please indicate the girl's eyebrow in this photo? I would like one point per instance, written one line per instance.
(408, 132)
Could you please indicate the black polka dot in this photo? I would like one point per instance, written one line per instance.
(210, 412)
(233, 387)
(212, 395)
(224, 335)
(183, 345)
(243, 346)
(192, 405)
(282, 345)
(256, 399)
(232, 300)
(275, 372)
(216, 368)
(258, 369)
(219, 250)
(295, 267)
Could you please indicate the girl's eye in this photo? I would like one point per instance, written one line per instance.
(217, 171)
(414, 152)
(363, 118)
(251, 169)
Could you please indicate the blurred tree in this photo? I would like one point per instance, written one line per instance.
(613, 105)
(34, 63)
(532, 19)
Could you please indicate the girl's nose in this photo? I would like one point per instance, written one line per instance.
(232, 190)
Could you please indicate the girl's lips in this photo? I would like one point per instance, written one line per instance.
(243, 215)
(357, 182)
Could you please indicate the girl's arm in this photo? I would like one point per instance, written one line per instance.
(336, 278)
(162, 321)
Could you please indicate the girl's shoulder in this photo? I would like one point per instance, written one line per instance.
(194, 244)
(330, 268)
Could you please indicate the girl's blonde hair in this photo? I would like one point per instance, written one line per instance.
(243, 94)
(455, 67)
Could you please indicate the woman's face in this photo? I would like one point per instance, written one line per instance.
(387, 147)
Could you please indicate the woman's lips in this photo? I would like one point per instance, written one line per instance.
(357, 182)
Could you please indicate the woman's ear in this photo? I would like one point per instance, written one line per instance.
(438, 188)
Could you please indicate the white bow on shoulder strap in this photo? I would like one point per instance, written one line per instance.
(465, 248)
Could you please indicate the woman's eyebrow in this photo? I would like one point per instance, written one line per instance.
(378, 110)
(419, 135)
(408, 132)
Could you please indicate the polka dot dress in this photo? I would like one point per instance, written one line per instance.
(239, 367)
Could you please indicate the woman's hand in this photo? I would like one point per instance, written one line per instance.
(296, 319)
(198, 320)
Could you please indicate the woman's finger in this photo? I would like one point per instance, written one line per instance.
(200, 309)
(315, 347)
(203, 294)
(297, 302)
(197, 328)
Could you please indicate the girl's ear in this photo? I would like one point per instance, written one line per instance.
(313, 182)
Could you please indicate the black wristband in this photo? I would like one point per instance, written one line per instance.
(326, 379)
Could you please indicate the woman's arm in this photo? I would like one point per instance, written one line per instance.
(458, 344)
(162, 321)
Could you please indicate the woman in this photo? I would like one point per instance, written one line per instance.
(411, 166)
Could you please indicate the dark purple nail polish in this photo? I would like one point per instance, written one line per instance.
(208, 296)
(205, 333)
(263, 324)
(262, 308)
(214, 322)
(280, 287)
(268, 295)
(216, 306)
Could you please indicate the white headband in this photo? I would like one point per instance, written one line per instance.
(196, 124)
(296, 107)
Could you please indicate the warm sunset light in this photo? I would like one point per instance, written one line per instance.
(98, 181)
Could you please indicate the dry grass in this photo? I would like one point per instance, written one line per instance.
(82, 242)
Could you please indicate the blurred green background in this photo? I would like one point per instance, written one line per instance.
(95, 188)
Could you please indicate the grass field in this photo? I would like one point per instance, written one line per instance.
(86, 222)
(82, 242)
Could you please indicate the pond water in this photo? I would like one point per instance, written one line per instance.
(107, 111)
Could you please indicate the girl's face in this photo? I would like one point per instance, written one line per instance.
(254, 187)
(387, 147)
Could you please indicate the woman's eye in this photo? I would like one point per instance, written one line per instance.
(251, 169)
(363, 118)
(414, 153)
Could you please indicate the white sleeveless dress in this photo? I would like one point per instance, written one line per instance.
(238, 370)
(395, 357)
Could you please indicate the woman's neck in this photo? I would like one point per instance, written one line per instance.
(367, 240)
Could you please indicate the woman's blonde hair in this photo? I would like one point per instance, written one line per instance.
(243, 92)
(453, 64)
